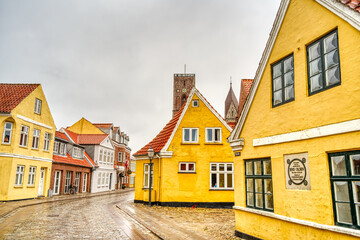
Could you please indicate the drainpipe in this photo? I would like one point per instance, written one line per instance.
(159, 184)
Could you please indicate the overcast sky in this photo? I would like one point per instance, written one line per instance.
(114, 60)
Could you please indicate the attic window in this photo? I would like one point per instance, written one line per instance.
(195, 103)
(38, 104)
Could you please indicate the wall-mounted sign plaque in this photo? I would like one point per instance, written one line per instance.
(297, 171)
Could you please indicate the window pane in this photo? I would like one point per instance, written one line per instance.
(217, 135)
(187, 135)
(213, 180)
(257, 166)
(277, 84)
(250, 199)
(250, 185)
(316, 83)
(267, 167)
(332, 76)
(289, 92)
(331, 59)
(146, 168)
(221, 167)
(146, 176)
(213, 167)
(341, 191)
(222, 180)
(258, 186)
(315, 67)
(338, 166)
(277, 97)
(356, 192)
(314, 51)
(268, 186)
(209, 134)
(194, 135)
(259, 200)
(269, 201)
(229, 180)
(330, 43)
(191, 167)
(355, 164)
(343, 213)
(289, 78)
(288, 65)
(249, 168)
(229, 167)
(183, 167)
(277, 70)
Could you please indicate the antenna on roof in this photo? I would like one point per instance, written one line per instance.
(185, 68)
(230, 81)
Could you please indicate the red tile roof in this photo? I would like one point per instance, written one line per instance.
(247, 83)
(161, 139)
(102, 125)
(91, 138)
(89, 158)
(69, 160)
(73, 136)
(12, 94)
(61, 135)
(354, 4)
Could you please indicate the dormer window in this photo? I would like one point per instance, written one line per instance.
(77, 152)
(195, 103)
(38, 104)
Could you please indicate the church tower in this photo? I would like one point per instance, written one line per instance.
(183, 83)
(231, 108)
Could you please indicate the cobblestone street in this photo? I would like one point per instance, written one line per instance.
(115, 216)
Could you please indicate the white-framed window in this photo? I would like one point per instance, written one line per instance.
(67, 181)
(108, 158)
(24, 135)
(120, 157)
(38, 104)
(35, 140)
(56, 147)
(62, 149)
(7, 132)
(103, 179)
(84, 185)
(107, 178)
(187, 167)
(77, 180)
(77, 152)
(213, 135)
(105, 156)
(132, 180)
(19, 175)
(195, 103)
(190, 135)
(133, 166)
(112, 158)
(99, 179)
(147, 175)
(221, 176)
(101, 156)
(31, 179)
(47, 141)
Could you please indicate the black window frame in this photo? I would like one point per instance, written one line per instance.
(322, 56)
(262, 177)
(282, 81)
(349, 178)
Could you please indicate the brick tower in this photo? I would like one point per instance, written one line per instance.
(183, 83)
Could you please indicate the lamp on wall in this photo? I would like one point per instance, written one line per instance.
(150, 153)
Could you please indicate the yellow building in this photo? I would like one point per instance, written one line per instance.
(27, 133)
(193, 164)
(297, 142)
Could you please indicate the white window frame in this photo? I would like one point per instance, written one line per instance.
(56, 147)
(24, 135)
(84, 185)
(38, 104)
(195, 103)
(47, 139)
(7, 130)
(62, 149)
(77, 153)
(213, 132)
(100, 156)
(191, 135)
(187, 167)
(103, 179)
(99, 180)
(57, 182)
(67, 181)
(148, 175)
(112, 158)
(35, 139)
(107, 179)
(19, 177)
(77, 180)
(31, 177)
(225, 172)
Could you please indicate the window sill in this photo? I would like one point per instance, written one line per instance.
(31, 186)
(188, 172)
(18, 186)
(214, 143)
(6, 143)
(23, 146)
(36, 149)
(46, 151)
(221, 189)
(147, 188)
(190, 143)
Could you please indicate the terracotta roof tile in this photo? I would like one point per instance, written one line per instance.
(353, 4)
(247, 85)
(102, 125)
(160, 140)
(69, 160)
(61, 135)
(12, 94)
(91, 138)
(73, 136)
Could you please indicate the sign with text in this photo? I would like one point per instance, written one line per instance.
(297, 171)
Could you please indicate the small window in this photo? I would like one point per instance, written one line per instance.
(147, 175)
(62, 150)
(195, 103)
(190, 135)
(187, 167)
(283, 81)
(120, 157)
(77, 180)
(67, 181)
(24, 135)
(101, 156)
(56, 147)
(7, 132)
(31, 179)
(19, 175)
(77, 152)
(36, 136)
(258, 181)
(323, 63)
(38, 104)
(47, 141)
(221, 176)
(213, 135)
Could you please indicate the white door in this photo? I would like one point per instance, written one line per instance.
(57, 182)
(41, 182)
(84, 182)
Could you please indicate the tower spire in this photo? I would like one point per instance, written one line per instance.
(230, 81)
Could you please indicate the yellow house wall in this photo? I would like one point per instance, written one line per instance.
(26, 109)
(142, 194)
(83, 126)
(305, 22)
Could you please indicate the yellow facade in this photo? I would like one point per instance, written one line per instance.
(305, 21)
(83, 126)
(12, 155)
(172, 187)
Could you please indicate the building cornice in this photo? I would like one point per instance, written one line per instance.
(34, 122)
(11, 155)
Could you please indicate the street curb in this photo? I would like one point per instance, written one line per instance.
(49, 200)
